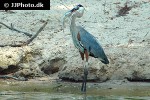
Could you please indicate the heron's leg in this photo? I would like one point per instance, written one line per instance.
(83, 89)
(83, 83)
(82, 55)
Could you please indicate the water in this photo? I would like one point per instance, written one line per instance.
(12, 95)
(41, 90)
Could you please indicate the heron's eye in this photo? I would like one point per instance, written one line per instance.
(77, 7)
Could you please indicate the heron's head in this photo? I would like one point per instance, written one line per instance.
(77, 11)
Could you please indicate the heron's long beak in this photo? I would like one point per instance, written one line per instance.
(66, 15)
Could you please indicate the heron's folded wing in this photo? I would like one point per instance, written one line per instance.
(90, 43)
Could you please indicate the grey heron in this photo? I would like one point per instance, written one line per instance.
(85, 42)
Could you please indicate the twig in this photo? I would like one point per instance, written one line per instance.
(12, 28)
(12, 45)
(7, 11)
(124, 10)
(28, 41)
(104, 7)
(31, 39)
(13, 77)
(146, 34)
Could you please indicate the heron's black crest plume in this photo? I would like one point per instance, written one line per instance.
(76, 8)
(79, 5)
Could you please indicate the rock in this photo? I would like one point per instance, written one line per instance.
(24, 61)
(9, 70)
(10, 56)
(122, 65)
(53, 66)
(73, 70)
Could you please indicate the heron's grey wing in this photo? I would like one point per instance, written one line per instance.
(90, 43)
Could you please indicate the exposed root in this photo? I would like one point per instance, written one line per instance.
(14, 29)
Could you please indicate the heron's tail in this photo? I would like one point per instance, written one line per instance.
(104, 60)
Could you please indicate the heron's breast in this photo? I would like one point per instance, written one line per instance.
(76, 41)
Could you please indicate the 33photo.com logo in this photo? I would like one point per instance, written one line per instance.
(25, 5)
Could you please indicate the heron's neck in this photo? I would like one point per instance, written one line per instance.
(73, 24)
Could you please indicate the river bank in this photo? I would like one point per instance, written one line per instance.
(124, 36)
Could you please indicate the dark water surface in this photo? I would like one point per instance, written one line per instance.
(11, 95)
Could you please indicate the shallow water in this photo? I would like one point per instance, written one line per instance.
(11, 95)
(37, 90)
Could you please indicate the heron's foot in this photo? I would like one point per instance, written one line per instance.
(83, 88)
